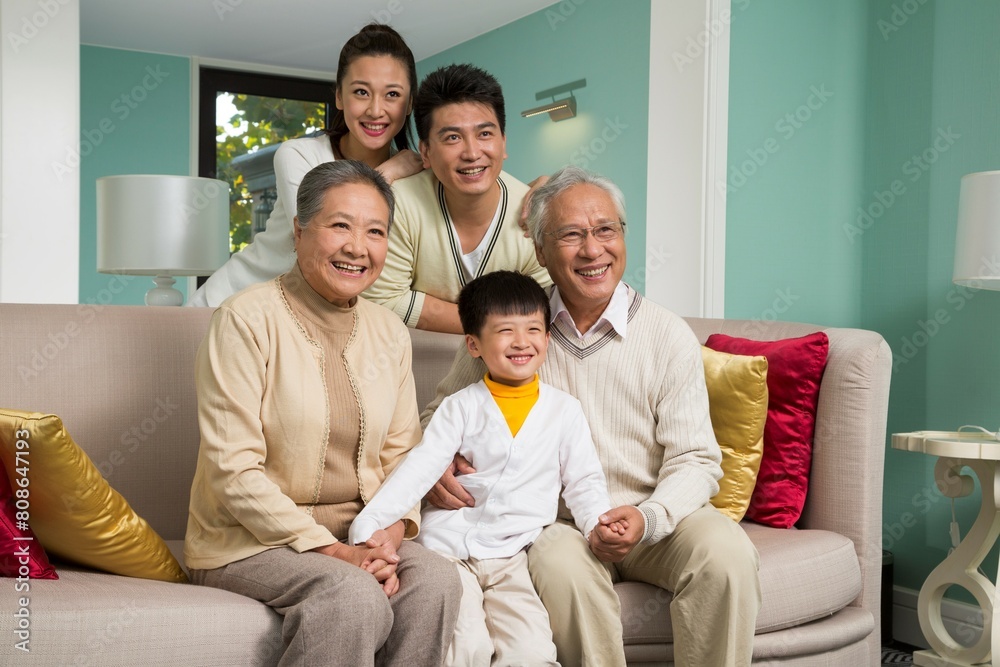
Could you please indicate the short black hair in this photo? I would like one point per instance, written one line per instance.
(453, 84)
(500, 293)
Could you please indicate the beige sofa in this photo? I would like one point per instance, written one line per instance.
(105, 370)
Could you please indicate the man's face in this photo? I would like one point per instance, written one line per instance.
(586, 274)
(465, 148)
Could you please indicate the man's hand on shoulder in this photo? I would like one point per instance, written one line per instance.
(448, 493)
(619, 530)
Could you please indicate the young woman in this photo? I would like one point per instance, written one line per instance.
(376, 78)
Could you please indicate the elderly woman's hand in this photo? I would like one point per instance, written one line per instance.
(378, 559)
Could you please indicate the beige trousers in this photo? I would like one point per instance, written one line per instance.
(501, 620)
(335, 613)
(708, 563)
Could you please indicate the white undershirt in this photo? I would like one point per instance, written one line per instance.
(472, 260)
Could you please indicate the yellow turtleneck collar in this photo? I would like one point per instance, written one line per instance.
(514, 402)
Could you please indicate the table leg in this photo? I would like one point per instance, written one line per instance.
(960, 568)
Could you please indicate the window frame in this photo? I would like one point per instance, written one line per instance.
(207, 74)
(215, 79)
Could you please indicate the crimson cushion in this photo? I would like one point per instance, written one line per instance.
(794, 370)
(21, 554)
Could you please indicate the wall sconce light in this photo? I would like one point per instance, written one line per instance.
(557, 109)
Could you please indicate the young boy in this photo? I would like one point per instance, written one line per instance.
(526, 441)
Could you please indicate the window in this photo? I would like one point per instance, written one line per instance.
(258, 112)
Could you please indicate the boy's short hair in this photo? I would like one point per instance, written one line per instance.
(500, 293)
(454, 84)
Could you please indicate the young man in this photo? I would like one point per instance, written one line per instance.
(457, 219)
(526, 441)
(637, 370)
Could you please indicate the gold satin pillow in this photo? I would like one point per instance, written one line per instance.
(73, 511)
(737, 401)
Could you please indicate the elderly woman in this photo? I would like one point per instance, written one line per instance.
(306, 403)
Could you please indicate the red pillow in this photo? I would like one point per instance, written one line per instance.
(19, 544)
(794, 369)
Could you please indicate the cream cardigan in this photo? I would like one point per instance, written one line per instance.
(263, 412)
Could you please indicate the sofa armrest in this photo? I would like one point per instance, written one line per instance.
(845, 485)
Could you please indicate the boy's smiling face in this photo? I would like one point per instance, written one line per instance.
(512, 346)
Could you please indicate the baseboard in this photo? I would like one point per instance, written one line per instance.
(963, 621)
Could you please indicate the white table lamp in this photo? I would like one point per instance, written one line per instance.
(162, 226)
(977, 240)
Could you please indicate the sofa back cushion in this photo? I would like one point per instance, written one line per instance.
(121, 378)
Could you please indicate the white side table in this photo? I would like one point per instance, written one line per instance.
(981, 453)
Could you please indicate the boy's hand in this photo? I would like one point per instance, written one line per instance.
(448, 493)
(619, 530)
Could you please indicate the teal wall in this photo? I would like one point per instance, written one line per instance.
(604, 42)
(943, 336)
(796, 151)
(855, 213)
(134, 119)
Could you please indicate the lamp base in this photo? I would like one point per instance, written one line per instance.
(164, 293)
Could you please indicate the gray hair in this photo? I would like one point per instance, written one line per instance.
(321, 178)
(565, 178)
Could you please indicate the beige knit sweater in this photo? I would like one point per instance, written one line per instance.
(264, 416)
(645, 399)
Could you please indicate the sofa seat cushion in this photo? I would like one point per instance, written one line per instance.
(805, 575)
(106, 619)
(834, 640)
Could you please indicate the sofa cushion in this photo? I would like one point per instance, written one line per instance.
(74, 512)
(805, 575)
(106, 619)
(21, 554)
(794, 370)
(835, 640)
(737, 401)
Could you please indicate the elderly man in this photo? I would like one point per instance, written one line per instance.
(637, 369)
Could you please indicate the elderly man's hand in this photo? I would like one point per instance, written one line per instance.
(448, 493)
(619, 530)
(522, 220)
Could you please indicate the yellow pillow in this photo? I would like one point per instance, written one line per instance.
(737, 401)
(73, 511)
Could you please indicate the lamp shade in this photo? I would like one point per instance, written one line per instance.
(162, 225)
(977, 240)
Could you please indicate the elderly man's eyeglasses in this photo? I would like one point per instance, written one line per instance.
(577, 236)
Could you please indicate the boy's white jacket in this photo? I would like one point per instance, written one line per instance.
(517, 480)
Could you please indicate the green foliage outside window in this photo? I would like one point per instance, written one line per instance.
(268, 120)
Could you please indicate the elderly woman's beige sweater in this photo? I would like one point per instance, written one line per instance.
(264, 411)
